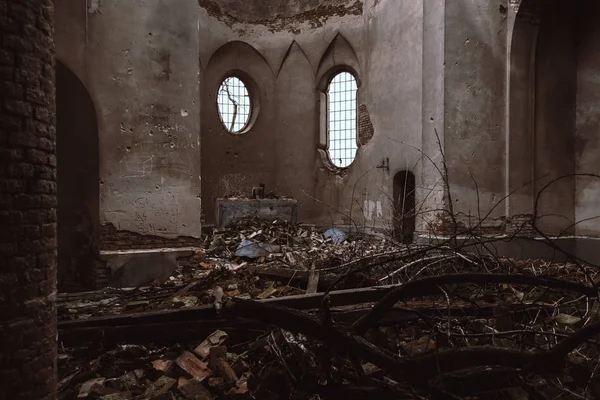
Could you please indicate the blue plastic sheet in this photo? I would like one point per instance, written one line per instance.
(337, 235)
(251, 249)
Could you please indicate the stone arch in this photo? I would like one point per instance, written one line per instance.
(78, 193)
(339, 55)
(233, 164)
(521, 110)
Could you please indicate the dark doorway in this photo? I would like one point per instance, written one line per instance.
(77, 182)
(404, 206)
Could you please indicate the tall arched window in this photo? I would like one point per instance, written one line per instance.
(341, 119)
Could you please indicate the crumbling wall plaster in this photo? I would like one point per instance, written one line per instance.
(144, 75)
(280, 16)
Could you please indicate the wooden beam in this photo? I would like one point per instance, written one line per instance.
(300, 302)
(194, 324)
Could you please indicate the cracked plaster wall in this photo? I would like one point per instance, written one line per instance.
(139, 61)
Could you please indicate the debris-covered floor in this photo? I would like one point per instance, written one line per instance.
(275, 311)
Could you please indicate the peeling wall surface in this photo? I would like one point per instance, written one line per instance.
(139, 61)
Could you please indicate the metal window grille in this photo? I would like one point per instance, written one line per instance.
(233, 101)
(341, 95)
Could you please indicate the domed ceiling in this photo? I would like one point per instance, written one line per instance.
(280, 14)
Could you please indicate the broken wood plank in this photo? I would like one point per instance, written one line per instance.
(167, 303)
(292, 276)
(313, 281)
(162, 331)
(338, 298)
(193, 366)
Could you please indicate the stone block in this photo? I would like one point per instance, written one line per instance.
(231, 210)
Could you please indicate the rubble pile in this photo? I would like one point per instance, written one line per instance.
(264, 316)
(295, 246)
(150, 372)
(256, 259)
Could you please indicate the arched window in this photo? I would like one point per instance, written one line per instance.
(233, 101)
(341, 119)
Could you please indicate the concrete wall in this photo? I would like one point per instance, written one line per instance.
(513, 73)
(520, 94)
(302, 47)
(474, 103)
(139, 61)
(470, 82)
(554, 134)
(587, 147)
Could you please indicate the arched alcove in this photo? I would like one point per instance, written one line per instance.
(77, 181)
(555, 86)
(232, 164)
(404, 206)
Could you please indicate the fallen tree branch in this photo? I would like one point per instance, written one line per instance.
(430, 285)
(417, 370)
(188, 325)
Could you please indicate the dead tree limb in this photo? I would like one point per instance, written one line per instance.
(417, 370)
(430, 285)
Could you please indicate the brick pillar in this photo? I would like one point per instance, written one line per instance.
(27, 201)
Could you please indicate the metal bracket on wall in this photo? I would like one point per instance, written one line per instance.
(385, 164)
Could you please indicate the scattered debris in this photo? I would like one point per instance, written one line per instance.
(190, 364)
(251, 249)
(324, 318)
(194, 389)
(163, 366)
(160, 387)
(217, 338)
(89, 386)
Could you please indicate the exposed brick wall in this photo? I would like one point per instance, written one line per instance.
(113, 239)
(365, 126)
(27, 201)
(444, 225)
(518, 225)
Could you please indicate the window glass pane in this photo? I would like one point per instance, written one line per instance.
(233, 101)
(342, 119)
